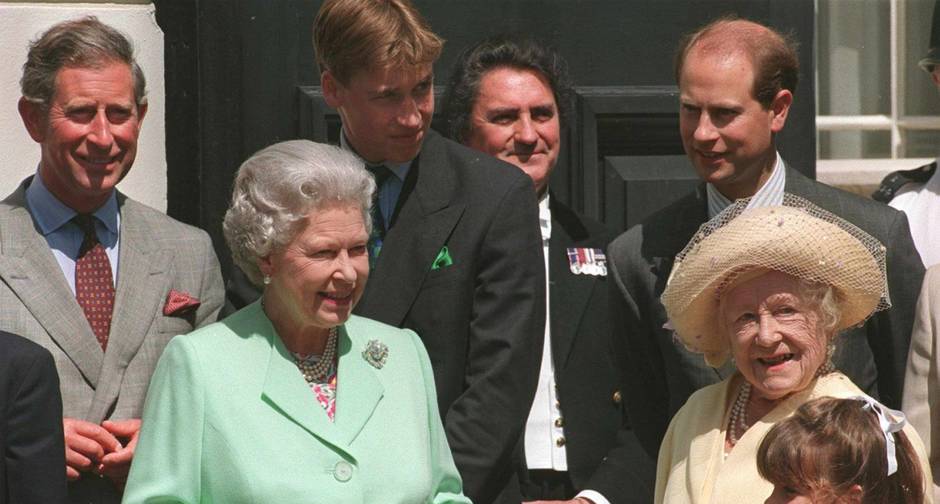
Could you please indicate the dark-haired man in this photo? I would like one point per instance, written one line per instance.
(456, 253)
(736, 82)
(507, 96)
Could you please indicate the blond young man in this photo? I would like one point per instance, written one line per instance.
(458, 254)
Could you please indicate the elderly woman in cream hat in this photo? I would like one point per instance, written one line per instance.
(770, 288)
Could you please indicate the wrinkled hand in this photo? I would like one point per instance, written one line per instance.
(86, 445)
(117, 463)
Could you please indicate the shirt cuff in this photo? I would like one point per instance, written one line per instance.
(593, 496)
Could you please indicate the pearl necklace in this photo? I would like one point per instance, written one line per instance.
(739, 414)
(317, 371)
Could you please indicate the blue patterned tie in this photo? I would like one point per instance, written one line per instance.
(381, 174)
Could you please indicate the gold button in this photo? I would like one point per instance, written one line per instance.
(560, 442)
(617, 397)
(559, 422)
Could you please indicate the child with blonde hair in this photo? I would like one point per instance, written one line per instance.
(841, 451)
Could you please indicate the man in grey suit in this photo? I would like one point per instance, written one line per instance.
(736, 83)
(98, 279)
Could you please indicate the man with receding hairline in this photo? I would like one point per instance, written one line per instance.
(737, 80)
(456, 254)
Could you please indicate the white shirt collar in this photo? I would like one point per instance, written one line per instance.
(770, 194)
(545, 217)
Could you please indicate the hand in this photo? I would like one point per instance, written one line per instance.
(117, 463)
(86, 444)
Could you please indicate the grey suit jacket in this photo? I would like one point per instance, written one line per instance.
(157, 254)
(660, 374)
(922, 383)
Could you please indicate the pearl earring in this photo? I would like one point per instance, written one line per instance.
(266, 280)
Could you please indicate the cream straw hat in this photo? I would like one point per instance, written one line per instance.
(799, 239)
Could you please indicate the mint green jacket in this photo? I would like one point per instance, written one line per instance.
(230, 419)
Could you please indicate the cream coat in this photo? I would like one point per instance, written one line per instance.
(692, 468)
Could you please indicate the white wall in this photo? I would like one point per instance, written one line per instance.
(21, 22)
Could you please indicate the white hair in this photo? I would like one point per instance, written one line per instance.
(278, 186)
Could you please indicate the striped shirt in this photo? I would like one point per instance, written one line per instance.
(770, 194)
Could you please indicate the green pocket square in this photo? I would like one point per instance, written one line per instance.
(443, 259)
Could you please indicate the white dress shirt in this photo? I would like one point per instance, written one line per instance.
(769, 194)
(544, 434)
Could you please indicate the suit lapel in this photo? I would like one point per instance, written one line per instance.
(357, 395)
(568, 293)
(423, 225)
(800, 185)
(285, 389)
(692, 213)
(142, 269)
(359, 389)
(32, 273)
(685, 222)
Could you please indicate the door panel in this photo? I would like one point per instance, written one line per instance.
(241, 75)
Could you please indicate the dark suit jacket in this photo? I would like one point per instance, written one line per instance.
(32, 469)
(660, 373)
(481, 318)
(585, 372)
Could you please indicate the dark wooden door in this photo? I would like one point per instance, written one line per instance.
(240, 75)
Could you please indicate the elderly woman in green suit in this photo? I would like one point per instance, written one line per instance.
(293, 399)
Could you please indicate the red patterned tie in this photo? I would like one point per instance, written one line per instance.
(94, 287)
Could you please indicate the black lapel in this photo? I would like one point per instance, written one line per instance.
(408, 186)
(805, 187)
(425, 218)
(665, 237)
(568, 293)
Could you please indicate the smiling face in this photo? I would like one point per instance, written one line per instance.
(318, 277)
(777, 339)
(385, 112)
(726, 132)
(515, 118)
(89, 136)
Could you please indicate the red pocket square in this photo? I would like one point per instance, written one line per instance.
(179, 303)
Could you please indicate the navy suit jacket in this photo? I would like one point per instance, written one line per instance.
(32, 469)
